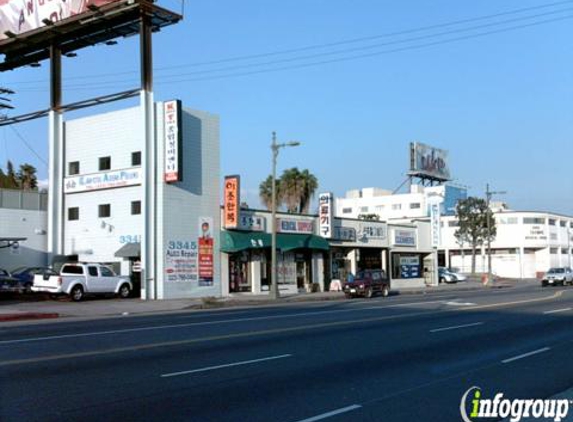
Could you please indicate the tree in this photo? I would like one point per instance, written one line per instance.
(309, 187)
(11, 179)
(27, 177)
(265, 192)
(369, 217)
(473, 214)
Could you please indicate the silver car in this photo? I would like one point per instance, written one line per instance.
(558, 276)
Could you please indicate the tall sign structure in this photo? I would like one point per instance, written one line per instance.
(429, 164)
(62, 27)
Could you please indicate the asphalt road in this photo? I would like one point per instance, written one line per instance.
(394, 359)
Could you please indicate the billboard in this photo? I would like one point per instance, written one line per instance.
(429, 162)
(20, 16)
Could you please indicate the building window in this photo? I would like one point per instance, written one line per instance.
(553, 236)
(104, 210)
(563, 223)
(533, 220)
(73, 213)
(346, 210)
(379, 208)
(551, 221)
(529, 250)
(554, 251)
(396, 207)
(508, 220)
(136, 158)
(415, 206)
(74, 168)
(564, 251)
(135, 207)
(364, 209)
(104, 163)
(453, 223)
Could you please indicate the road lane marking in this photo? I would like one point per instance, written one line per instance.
(460, 304)
(247, 334)
(556, 311)
(455, 327)
(197, 324)
(518, 302)
(526, 355)
(333, 413)
(228, 365)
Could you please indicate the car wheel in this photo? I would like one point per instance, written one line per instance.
(442, 280)
(124, 291)
(544, 284)
(369, 293)
(77, 293)
(27, 288)
(385, 291)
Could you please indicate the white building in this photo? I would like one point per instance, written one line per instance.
(103, 191)
(23, 215)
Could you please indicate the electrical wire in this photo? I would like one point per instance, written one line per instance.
(38, 156)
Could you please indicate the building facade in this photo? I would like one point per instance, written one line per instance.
(103, 205)
(23, 215)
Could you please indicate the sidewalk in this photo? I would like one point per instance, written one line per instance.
(37, 307)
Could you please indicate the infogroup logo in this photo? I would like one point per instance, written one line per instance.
(515, 409)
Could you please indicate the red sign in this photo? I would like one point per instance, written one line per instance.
(231, 202)
(205, 252)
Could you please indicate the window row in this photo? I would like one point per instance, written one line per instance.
(380, 208)
(104, 211)
(526, 220)
(104, 163)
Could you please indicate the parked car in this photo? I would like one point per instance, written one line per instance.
(448, 276)
(78, 279)
(25, 276)
(557, 276)
(7, 282)
(367, 283)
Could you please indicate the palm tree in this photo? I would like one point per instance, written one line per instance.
(292, 188)
(309, 187)
(266, 193)
(27, 177)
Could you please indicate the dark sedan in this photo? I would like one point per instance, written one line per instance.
(21, 279)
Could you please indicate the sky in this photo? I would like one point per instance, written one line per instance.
(355, 82)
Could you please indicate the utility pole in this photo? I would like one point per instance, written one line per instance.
(488, 195)
(274, 291)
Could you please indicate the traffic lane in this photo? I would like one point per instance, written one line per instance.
(188, 333)
(538, 376)
(357, 353)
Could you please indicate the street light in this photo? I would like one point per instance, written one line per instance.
(488, 195)
(275, 150)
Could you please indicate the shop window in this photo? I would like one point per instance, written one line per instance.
(346, 210)
(104, 163)
(73, 214)
(135, 207)
(74, 168)
(415, 206)
(238, 273)
(406, 266)
(104, 210)
(136, 158)
(533, 220)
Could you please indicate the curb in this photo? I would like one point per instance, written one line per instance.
(28, 315)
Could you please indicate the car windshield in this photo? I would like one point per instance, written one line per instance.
(19, 270)
(556, 270)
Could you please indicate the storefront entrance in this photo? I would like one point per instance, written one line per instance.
(239, 280)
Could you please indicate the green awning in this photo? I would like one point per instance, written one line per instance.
(235, 241)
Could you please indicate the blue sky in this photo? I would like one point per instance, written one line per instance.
(500, 103)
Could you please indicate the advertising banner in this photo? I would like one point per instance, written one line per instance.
(409, 267)
(231, 204)
(181, 261)
(103, 180)
(205, 256)
(20, 16)
(405, 237)
(429, 161)
(287, 225)
(172, 141)
(325, 214)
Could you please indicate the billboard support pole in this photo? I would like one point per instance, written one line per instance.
(148, 246)
(56, 157)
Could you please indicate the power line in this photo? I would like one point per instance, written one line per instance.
(333, 44)
(38, 156)
(355, 57)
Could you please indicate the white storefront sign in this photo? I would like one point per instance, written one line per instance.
(434, 203)
(287, 225)
(403, 237)
(172, 140)
(104, 180)
(254, 223)
(372, 231)
(325, 214)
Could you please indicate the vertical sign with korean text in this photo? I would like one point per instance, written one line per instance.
(172, 141)
(231, 202)
(325, 214)
(205, 255)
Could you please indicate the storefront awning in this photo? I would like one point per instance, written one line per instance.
(129, 250)
(235, 241)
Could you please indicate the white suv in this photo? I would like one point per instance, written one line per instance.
(558, 276)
